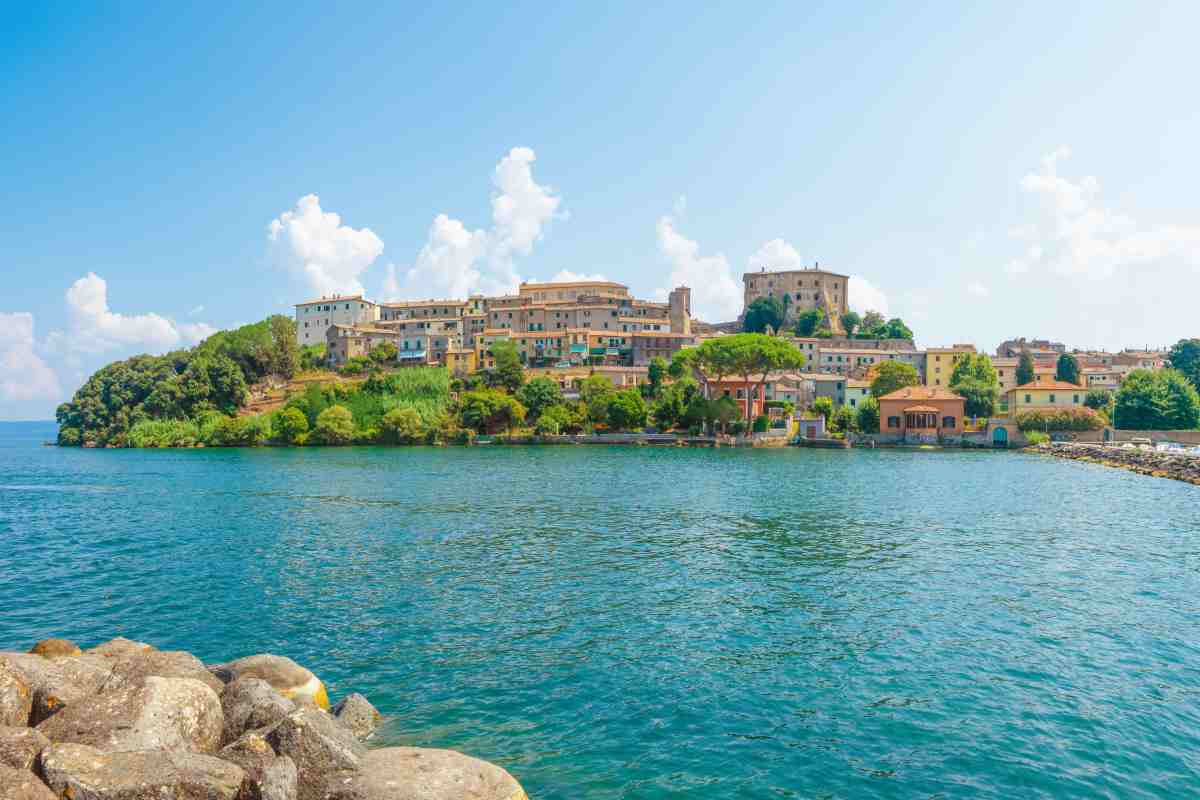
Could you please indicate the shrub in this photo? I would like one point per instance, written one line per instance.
(843, 420)
(240, 431)
(1061, 419)
(760, 423)
(868, 416)
(1037, 437)
(626, 410)
(355, 365)
(290, 424)
(489, 410)
(335, 425)
(547, 426)
(163, 433)
(403, 426)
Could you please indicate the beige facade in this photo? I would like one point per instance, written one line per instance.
(939, 363)
(800, 290)
(316, 317)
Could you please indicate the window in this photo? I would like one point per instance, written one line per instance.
(1076, 398)
(947, 422)
(1027, 399)
(1051, 398)
(893, 422)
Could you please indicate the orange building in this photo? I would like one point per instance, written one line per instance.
(922, 414)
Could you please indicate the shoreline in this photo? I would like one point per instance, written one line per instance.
(1153, 463)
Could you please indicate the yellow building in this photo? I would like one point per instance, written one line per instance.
(1045, 393)
(939, 363)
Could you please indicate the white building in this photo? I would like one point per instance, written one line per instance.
(314, 318)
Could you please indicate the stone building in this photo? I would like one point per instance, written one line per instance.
(801, 290)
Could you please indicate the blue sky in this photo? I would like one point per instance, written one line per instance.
(984, 171)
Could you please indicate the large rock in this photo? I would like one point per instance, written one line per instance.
(120, 647)
(413, 773)
(286, 676)
(250, 703)
(19, 747)
(267, 776)
(156, 714)
(58, 682)
(318, 745)
(54, 648)
(356, 713)
(16, 695)
(80, 772)
(163, 664)
(19, 784)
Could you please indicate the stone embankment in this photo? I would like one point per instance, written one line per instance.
(1179, 466)
(124, 721)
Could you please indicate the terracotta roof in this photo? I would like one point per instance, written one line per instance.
(1048, 385)
(921, 393)
(930, 409)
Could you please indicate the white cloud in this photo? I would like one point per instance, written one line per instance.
(567, 276)
(24, 376)
(94, 328)
(775, 255)
(716, 294)
(977, 289)
(1076, 236)
(863, 296)
(196, 311)
(195, 332)
(314, 244)
(456, 261)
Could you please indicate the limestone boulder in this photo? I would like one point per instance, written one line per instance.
(16, 695)
(356, 713)
(414, 773)
(267, 776)
(120, 647)
(80, 772)
(156, 714)
(19, 784)
(286, 676)
(163, 664)
(58, 682)
(317, 744)
(54, 648)
(20, 747)
(250, 703)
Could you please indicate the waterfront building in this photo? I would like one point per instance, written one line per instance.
(800, 290)
(856, 392)
(922, 414)
(315, 317)
(1044, 392)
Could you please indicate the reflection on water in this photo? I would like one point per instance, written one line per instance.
(647, 623)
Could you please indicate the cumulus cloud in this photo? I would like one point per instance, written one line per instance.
(1076, 236)
(24, 376)
(314, 244)
(456, 260)
(716, 294)
(94, 328)
(864, 296)
(195, 332)
(775, 255)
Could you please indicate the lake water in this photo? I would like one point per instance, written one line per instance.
(652, 623)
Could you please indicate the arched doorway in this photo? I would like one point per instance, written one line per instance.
(1000, 437)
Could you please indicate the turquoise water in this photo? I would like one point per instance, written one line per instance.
(646, 623)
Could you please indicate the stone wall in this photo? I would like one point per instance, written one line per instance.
(1179, 466)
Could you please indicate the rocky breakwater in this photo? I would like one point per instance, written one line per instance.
(124, 721)
(1160, 464)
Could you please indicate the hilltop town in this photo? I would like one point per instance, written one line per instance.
(568, 332)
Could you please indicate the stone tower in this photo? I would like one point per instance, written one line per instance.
(680, 304)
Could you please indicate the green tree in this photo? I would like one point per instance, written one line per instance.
(538, 395)
(896, 329)
(335, 425)
(1067, 369)
(808, 321)
(764, 312)
(824, 407)
(312, 356)
(751, 355)
(558, 419)
(683, 362)
(626, 410)
(1182, 403)
(843, 420)
(403, 425)
(489, 411)
(1025, 371)
(285, 352)
(850, 321)
(873, 326)
(868, 415)
(669, 412)
(723, 411)
(892, 375)
(1098, 399)
(656, 373)
(1161, 400)
(1185, 357)
(290, 425)
(384, 353)
(508, 373)
(975, 379)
